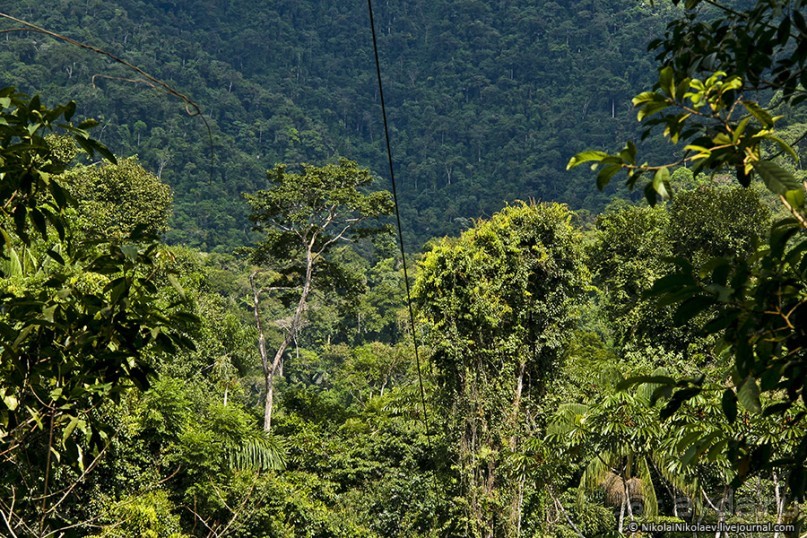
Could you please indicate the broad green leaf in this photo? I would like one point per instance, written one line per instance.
(672, 282)
(650, 194)
(784, 146)
(661, 183)
(20, 214)
(176, 285)
(130, 251)
(721, 321)
(795, 198)
(700, 152)
(762, 115)
(731, 83)
(650, 109)
(24, 333)
(605, 175)
(781, 232)
(729, 404)
(721, 139)
(661, 391)
(783, 32)
(780, 181)
(47, 313)
(586, 156)
(647, 97)
(717, 450)
(628, 154)
(777, 409)
(677, 400)
(11, 402)
(38, 219)
(641, 379)
(715, 78)
(740, 129)
(665, 81)
(55, 256)
(69, 429)
(748, 395)
(692, 307)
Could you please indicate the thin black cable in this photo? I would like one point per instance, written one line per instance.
(398, 222)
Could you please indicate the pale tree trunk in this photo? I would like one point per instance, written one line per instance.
(275, 366)
(719, 509)
(721, 513)
(780, 503)
(627, 499)
(268, 375)
(621, 516)
(518, 499)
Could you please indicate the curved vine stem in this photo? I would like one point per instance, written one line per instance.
(192, 108)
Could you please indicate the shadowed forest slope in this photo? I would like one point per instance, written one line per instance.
(487, 100)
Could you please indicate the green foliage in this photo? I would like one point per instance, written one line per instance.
(303, 217)
(628, 254)
(762, 302)
(711, 66)
(319, 206)
(512, 345)
(74, 333)
(714, 221)
(31, 196)
(509, 282)
(498, 304)
(626, 438)
(470, 86)
(115, 200)
(150, 515)
(634, 244)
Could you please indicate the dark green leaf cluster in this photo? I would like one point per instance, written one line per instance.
(761, 319)
(78, 321)
(486, 100)
(763, 44)
(313, 209)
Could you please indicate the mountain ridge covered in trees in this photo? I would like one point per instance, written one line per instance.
(486, 100)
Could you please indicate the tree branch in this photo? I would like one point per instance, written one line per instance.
(155, 82)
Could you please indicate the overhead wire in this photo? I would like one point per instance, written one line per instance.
(399, 227)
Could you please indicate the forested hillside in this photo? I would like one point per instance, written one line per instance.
(204, 335)
(486, 99)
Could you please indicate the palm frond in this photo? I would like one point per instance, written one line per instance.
(596, 474)
(260, 452)
(566, 419)
(649, 498)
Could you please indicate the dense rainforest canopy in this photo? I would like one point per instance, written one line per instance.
(486, 100)
(204, 327)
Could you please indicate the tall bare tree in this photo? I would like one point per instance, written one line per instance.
(303, 216)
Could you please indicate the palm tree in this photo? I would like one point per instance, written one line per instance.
(627, 447)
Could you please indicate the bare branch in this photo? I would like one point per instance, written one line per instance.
(237, 512)
(170, 476)
(208, 527)
(149, 78)
(79, 479)
(334, 239)
(7, 519)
